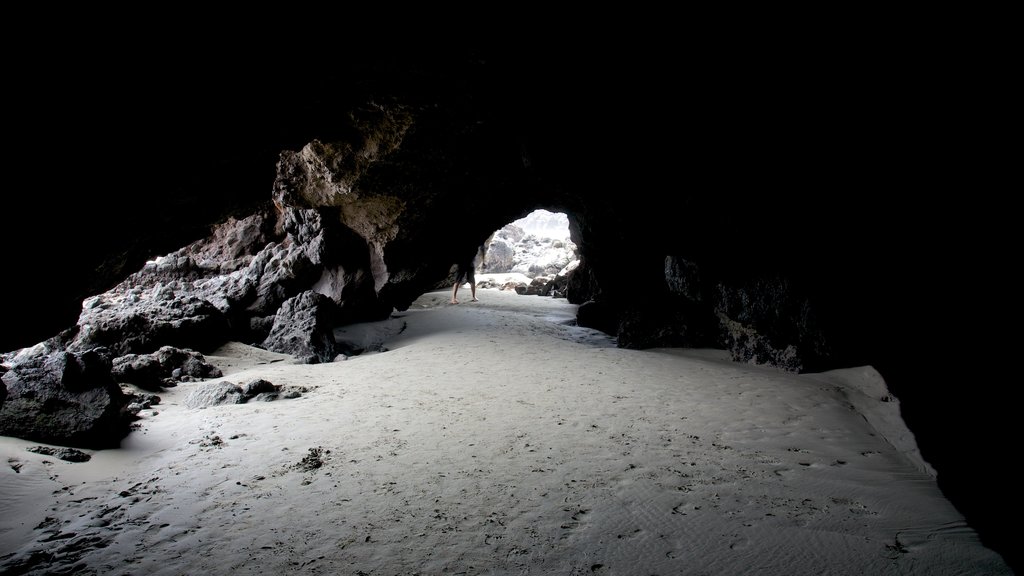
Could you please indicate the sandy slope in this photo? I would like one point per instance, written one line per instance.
(492, 438)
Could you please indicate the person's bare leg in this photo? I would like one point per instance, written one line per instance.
(455, 290)
(472, 288)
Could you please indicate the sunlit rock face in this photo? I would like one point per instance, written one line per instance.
(512, 249)
(501, 250)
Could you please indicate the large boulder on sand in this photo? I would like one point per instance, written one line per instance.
(304, 327)
(163, 367)
(64, 398)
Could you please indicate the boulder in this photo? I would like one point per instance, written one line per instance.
(498, 256)
(218, 393)
(539, 287)
(162, 368)
(65, 398)
(258, 386)
(214, 394)
(304, 327)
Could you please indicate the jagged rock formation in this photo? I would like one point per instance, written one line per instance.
(138, 321)
(165, 367)
(500, 252)
(61, 397)
(304, 327)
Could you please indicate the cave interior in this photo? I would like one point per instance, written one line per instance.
(824, 188)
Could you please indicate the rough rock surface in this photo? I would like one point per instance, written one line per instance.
(304, 327)
(500, 249)
(217, 393)
(764, 320)
(138, 321)
(767, 322)
(66, 454)
(64, 398)
(214, 394)
(164, 367)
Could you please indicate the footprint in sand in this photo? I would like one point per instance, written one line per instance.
(574, 519)
(635, 533)
(677, 509)
(853, 506)
(740, 543)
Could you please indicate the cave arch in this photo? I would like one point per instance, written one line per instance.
(537, 250)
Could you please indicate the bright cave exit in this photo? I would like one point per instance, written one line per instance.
(532, 255)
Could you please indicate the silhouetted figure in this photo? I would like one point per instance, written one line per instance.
(465, 273)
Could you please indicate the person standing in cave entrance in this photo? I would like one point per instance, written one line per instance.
(465, 273)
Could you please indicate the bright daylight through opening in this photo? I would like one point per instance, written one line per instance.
(531, 255)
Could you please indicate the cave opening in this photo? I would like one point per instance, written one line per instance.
(532, 255)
